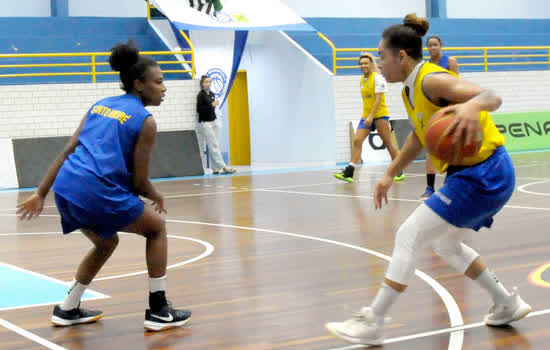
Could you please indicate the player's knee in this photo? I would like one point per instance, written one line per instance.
(405, 241)
(444, 247)
(158, 230)
(108, 246)
(358, 143)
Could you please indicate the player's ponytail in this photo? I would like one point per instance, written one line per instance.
(407, 36)
(125, 58)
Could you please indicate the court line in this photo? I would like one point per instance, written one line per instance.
(532, 164)
(209, 249)
(456, 338)
(30, 336)
(389, 198)
(97, 295)
(438, 332)
(522, 188)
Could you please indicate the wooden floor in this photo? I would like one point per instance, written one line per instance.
(289, 256)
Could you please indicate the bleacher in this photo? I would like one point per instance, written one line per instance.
(71, 35)
(366, 33)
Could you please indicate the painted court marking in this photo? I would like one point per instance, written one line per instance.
(96, 295)
(30, 336)
(522, 188)
(438, 332)
(209, 249)
(389, 198)
(456, 338)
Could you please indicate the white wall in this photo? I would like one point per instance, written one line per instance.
(28, 111)
(356, 8)
(26, 8)
(521, 91)
(290, 101)
(498, 9)
(107, 8)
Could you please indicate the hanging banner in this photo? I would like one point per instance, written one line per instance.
(217, 55)
(231, 15)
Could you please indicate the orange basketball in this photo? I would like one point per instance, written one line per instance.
(441, 145)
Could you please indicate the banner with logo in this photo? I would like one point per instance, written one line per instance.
(231, 15)
(218, 55)
(524, 131)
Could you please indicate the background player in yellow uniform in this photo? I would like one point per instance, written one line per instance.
(474, 191)
(375, 116)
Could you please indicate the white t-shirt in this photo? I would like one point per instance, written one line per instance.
(380, 84)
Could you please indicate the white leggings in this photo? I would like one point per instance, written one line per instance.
(207, 134)
(424, 226)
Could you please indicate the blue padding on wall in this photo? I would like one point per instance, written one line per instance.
(73, 34)
(366, 32)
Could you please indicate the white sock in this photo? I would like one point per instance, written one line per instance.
(353, 164)
(488, 281)
(157, 284)
(384, 299)
(73, 297)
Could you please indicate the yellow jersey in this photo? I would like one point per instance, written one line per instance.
(370, 86)
(422, 109)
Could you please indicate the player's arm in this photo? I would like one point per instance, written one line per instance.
(32, 207)
(48, 180)
(467, 100)
(142, 158)
(410, 151)
(453, 65)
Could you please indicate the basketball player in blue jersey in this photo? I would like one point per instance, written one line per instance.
(97, 181)
(434, 45)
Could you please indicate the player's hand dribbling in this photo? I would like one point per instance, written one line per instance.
(381, 191)
(466, 126)
(31, 208)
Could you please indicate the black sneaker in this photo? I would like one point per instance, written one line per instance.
(346, 174)
(167, 317)
(75, 316)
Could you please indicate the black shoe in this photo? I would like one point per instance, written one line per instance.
(75, 316)
(167, 317)
(346, 174)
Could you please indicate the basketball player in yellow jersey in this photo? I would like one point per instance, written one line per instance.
(375, 116)
(474, 190)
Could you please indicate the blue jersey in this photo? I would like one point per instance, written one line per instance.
(444, 62)
(98, 175)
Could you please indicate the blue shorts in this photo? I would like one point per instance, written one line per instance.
(471, 196)
(105, 224)
(372, 127)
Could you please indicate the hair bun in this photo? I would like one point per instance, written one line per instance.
(419, 24)
(124, 56)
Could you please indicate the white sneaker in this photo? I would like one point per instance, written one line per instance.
(503, 314)
(362, 329)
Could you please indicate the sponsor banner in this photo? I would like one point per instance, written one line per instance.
(524, 131)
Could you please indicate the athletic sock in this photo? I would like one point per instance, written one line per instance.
(157, 284)
(430, 178)
(72, 300)
(384, 299)
(488, 281)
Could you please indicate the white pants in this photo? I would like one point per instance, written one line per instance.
(423, 227)
(207, 135)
